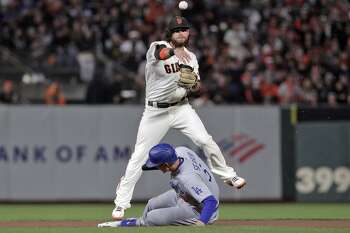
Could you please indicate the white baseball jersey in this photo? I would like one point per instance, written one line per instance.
(162, 75)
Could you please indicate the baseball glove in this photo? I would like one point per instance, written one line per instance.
(188, 78)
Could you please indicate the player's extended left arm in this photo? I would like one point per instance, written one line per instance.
(209, 207)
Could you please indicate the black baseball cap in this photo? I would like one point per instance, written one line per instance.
(178, 22)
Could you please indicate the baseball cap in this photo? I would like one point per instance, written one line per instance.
(178, 22)
(160, 154)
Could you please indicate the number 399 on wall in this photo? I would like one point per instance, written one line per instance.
(322, 179)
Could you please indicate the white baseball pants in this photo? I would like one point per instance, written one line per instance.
(154, 124)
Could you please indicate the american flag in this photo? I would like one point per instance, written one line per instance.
(240, 146)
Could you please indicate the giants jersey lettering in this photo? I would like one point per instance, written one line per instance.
(162, 75)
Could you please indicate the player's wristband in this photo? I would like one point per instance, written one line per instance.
(164, 53)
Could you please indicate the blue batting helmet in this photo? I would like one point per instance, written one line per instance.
(159, 154)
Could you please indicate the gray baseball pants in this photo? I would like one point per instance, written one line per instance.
(169, 209)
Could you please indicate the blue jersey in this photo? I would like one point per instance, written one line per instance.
(193, 181)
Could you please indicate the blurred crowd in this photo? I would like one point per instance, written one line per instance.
(249, 51)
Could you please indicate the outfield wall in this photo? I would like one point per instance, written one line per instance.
(316, 153)
(323, 161)
(80, 152)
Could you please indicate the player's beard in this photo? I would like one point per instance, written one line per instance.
(179, 44)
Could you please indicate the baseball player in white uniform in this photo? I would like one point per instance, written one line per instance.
(193, 199)
(171, 73)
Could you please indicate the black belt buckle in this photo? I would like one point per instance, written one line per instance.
(163, 105)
